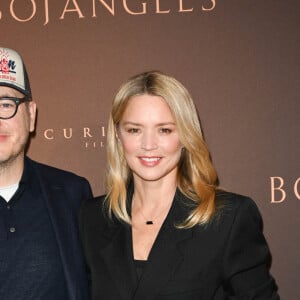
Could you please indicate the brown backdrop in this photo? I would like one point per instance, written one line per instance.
(239, 59)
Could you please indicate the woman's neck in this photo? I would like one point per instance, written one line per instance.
(153, 195)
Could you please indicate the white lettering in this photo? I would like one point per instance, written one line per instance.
(158, 11)
(86, 132)
(181, 9)
(277, 188)
(296, 190)
(46, 12)
(103, 131)
(94, 144)
(110, 8)
(211, 8)
(70, 133)
(47, 133)
(12, 11)
(144, 5)
(76, 9)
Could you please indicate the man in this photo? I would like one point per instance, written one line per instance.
(40, 253)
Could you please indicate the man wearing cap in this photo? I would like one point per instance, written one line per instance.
(40, 253)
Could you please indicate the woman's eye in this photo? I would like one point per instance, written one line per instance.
(133, 130)
(165, 130)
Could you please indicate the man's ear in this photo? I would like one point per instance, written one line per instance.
(32, 115)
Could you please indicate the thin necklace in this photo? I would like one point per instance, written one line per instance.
(150, 221)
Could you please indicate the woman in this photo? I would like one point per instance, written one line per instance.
(164, 230)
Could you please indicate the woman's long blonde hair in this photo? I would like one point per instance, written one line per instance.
(197, 178)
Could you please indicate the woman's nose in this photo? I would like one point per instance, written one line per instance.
(149, 141)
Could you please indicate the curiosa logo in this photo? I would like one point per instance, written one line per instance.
(91, 137)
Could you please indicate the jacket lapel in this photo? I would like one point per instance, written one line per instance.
(163, 260)
(165, 255)
(118, 257)
(64, 235)
(64, 227)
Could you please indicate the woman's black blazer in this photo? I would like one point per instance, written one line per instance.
(226, 259)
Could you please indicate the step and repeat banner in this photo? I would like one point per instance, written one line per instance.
(238, 58)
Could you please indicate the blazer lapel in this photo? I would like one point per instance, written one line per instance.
(165, 254)
(118, 257)
(63, 229)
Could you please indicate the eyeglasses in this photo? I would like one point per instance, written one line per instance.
(9, 106)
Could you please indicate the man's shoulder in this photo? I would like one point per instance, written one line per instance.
(53, 172)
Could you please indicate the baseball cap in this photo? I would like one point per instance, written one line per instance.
(13, 72)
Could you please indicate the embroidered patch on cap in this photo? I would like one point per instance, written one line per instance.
(12, 71)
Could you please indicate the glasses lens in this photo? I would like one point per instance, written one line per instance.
(7, 108)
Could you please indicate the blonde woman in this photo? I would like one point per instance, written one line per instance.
(164, 230)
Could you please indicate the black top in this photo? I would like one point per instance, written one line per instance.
(139, 267)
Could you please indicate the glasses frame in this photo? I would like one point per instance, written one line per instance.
(17, 101)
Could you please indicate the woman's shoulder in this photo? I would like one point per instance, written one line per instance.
(93, 202)
(94, 214)
(232, 200)
(92, 210)
(230, 206)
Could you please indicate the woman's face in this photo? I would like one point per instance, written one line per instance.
(148, 134)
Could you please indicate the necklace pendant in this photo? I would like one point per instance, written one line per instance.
(149, 222)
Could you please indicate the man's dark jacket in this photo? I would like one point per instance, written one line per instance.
(63, 193)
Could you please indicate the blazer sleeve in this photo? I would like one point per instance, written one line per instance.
(247, 258)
